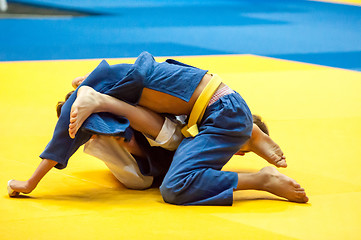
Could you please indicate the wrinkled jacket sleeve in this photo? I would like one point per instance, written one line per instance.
(61, 147)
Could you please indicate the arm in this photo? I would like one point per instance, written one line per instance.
(29, 185)
(61, 147)
(15, 187)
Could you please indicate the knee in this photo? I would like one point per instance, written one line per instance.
(171, 194)
(181, 189)
(137, 182)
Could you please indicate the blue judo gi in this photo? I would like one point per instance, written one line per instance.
(194, 176)
(61, 147)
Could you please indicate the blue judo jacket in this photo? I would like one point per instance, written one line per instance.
(125, 82)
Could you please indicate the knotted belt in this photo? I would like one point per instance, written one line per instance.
(191, 129)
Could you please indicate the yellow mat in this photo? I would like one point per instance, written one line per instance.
(347, 2)
(313, 112)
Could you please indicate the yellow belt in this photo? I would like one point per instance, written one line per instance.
(191, 129)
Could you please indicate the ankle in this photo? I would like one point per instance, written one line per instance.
(254, 181)
(100, 101)
(267, 177)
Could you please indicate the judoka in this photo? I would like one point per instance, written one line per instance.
(219, 126)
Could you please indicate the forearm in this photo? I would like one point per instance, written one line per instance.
(43, 168)
(30, 184)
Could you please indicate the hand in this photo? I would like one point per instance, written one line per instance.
(15, 187)
(77, 81)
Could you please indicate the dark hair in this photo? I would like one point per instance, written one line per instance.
(60, 104)
(258, 121)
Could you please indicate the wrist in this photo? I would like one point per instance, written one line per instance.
(31, 184)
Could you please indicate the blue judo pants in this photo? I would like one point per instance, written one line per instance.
(195, 176)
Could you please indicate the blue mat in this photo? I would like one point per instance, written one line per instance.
(313, 32)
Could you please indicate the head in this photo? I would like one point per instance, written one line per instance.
(257, 121)
(61, 103)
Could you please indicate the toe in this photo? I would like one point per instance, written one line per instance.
(281, 163)
(71, 133)
(301, 197)
(73, 128)
(73, 111)
(301, 194)
(73, 116)
(72, 125)
(296, 185)
(72, 119)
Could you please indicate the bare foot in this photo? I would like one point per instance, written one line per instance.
(265, 147)
(85, 104)
(16, 187)
(282, 186)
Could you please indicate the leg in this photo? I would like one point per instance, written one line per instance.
(89, 101)
(195, 176)
(270, 180)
